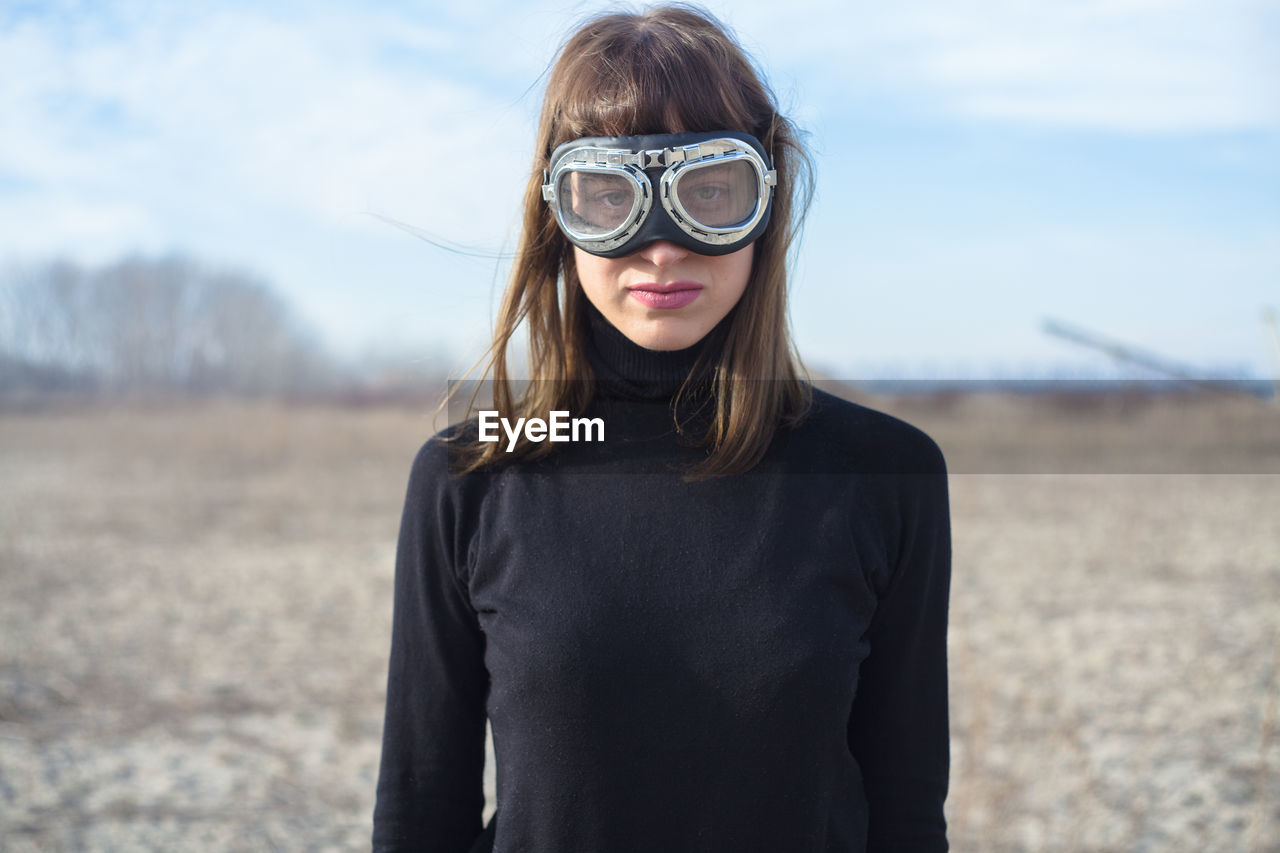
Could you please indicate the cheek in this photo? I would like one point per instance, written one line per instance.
(737, 271)
(593, 271)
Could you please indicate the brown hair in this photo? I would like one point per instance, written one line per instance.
(666, 70)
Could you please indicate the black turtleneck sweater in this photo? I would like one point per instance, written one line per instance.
(746, 663)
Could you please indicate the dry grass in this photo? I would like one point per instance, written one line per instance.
(196, 609)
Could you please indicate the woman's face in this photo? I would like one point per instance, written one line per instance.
(665, 297)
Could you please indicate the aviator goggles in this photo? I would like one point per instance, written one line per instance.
(713, 191)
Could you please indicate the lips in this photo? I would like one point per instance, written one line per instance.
(674, 294)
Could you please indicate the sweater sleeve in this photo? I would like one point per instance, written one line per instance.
(430, 793)
(898, 729)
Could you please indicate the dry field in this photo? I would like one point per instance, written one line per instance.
(195, 609)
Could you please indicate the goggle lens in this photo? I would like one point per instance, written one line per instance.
(595, 203)
(719, 195)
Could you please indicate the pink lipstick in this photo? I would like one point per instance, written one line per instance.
(675, 294)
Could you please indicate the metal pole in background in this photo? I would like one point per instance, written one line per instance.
(1269, 318)
(1123, 352)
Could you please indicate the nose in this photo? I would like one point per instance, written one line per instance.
(663, 253)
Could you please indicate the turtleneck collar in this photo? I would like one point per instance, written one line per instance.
(625, 369)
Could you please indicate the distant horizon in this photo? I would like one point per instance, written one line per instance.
(1090, 364)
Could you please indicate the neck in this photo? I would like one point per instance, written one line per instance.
(623, 368)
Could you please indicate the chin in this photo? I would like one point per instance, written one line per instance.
(665, 336)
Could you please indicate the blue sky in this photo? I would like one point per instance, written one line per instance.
(981, 166)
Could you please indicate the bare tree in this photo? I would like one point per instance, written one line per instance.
(155, 325)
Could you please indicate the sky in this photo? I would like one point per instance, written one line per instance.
(982, 166)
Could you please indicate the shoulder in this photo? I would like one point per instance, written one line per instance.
(432, 461)
(442, 507)
(847, 436)
(435, 472)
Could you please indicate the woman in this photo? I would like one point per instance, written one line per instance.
(723, 626)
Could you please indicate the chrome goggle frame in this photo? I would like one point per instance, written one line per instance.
(633, 157)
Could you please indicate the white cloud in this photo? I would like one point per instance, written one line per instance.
(330, 110)
(86, 230)
(1116, 65)
(236, 107)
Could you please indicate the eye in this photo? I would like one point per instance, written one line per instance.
(612, 198)
(709, 191)
(718, 195)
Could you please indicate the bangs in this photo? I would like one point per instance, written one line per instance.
(650, 80)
